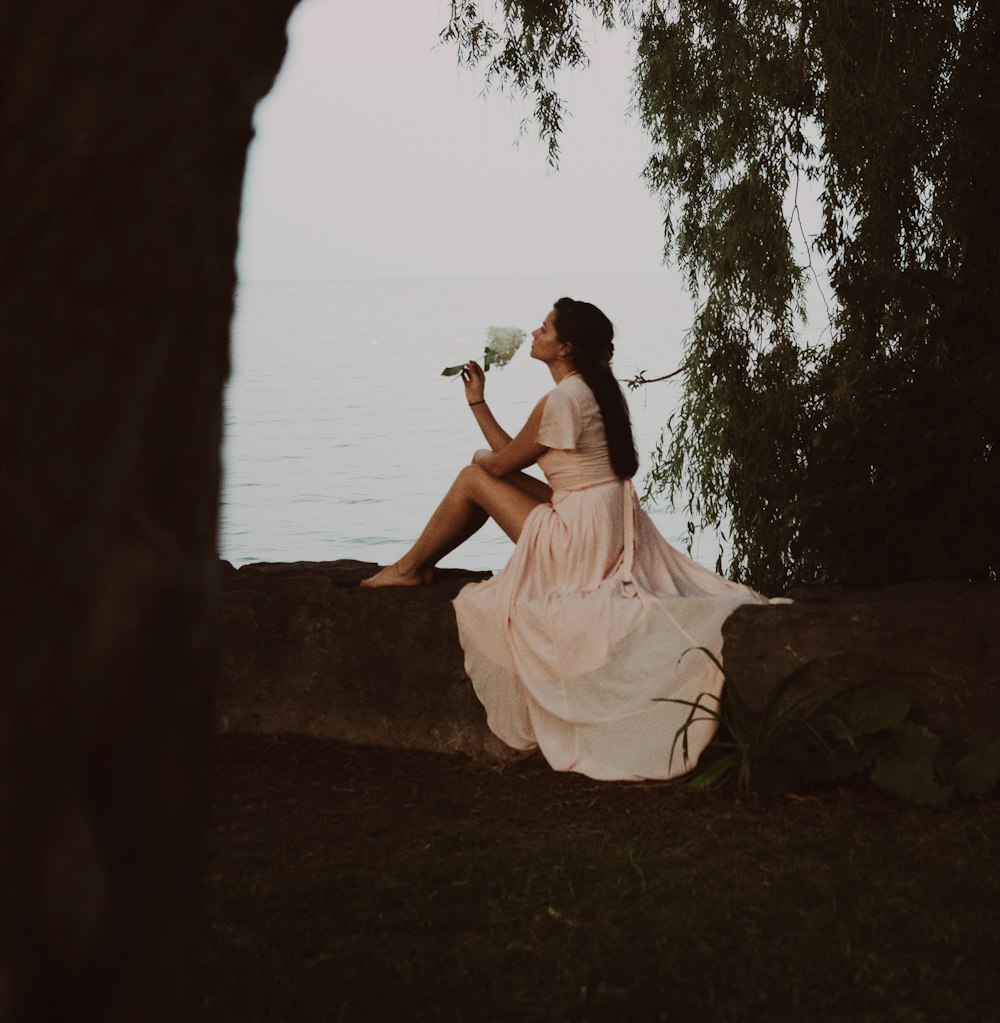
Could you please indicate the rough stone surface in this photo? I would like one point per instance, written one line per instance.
(936, 642)
(307, 651)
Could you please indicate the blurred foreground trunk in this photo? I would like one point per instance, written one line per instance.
(125, 127)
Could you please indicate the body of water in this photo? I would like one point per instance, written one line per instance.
(341, 435)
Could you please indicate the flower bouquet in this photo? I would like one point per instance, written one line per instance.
(501, 344)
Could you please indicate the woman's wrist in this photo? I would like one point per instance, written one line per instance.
(482, 401)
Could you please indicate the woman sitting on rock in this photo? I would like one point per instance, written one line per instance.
(585, 644)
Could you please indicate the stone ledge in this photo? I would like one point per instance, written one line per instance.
(937, 642)
(306, 651)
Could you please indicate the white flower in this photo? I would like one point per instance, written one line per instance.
(501, 344)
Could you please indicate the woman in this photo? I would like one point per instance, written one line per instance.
(585, 644)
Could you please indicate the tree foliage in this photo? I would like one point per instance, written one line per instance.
(873, 456)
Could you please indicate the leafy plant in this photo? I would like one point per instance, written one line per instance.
(792, 739)
(826, 735)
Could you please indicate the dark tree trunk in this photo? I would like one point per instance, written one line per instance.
(124, 129)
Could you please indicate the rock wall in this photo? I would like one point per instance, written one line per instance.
(307, 651)
(125, 125)
(936, 642)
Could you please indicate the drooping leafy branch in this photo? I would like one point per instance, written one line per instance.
(873, 456)
(522, 50)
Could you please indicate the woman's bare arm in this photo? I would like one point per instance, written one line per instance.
(518, 453)
(496, 436)
(475, 384)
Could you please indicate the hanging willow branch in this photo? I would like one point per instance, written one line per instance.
(640, 379)
(873, 456)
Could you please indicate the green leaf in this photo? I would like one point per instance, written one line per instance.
(979, 772)
(681, 733)
(908, 771)
(845, 760)
(714, 773)
(864, 711)
(450, 371)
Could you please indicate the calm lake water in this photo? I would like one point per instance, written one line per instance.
(341, 435)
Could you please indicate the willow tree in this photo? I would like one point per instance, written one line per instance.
(871, 456)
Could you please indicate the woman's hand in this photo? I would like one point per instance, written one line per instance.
(482, 458)
(475, 381)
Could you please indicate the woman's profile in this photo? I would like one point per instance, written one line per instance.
(585, 644)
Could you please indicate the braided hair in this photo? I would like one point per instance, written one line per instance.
(591, 334)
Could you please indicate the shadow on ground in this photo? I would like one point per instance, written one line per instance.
(350, 883)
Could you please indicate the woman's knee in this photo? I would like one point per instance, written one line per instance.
(471, 478)
(480, 487)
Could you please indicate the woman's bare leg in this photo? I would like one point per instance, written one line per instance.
(473, 497)
(532, 485)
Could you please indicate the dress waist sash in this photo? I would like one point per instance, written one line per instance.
(558, 493)
(629, 500)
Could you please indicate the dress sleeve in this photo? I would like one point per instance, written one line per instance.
(562, 421)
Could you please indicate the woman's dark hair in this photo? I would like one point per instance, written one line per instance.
(591, 334)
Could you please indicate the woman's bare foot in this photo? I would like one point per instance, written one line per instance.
(393, 575)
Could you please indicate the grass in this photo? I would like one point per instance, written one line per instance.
(365, 884)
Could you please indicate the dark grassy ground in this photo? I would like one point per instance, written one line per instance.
(364, 884)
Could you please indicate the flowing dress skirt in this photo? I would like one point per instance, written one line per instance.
(584, 641)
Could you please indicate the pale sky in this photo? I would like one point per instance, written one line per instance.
(376, 156)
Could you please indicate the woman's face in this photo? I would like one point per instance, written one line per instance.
(545, 343)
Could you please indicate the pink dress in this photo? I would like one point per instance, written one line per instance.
(580, 642)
